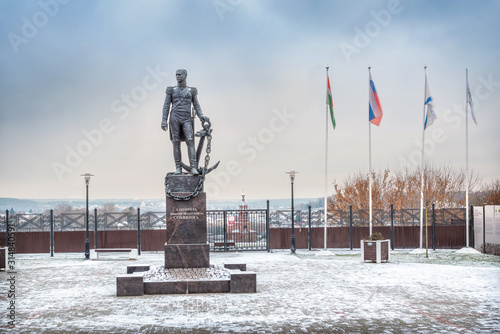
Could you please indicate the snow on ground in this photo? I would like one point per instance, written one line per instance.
(448, 292)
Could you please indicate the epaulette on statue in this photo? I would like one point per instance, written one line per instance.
(170, 90)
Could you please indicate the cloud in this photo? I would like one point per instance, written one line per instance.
(262, 56)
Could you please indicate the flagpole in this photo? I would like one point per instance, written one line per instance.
(466, 159)
(422, 168)
(370, 158)
(326, 165)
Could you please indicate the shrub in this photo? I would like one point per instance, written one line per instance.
(493, 249)
(375, 236)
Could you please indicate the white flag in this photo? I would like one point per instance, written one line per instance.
(469, 101)
(430, 115)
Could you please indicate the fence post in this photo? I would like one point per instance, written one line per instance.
(471, 225)
(309, 229)
(268, 238)
(350, 226)
(7, 228)
(225, 231)
(433, 227)
(139, 231)
(51, 233)
(392, 226)
(95, 228)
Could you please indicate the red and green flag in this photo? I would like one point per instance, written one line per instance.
(329, 101)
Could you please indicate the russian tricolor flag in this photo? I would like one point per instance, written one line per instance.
(374, 105)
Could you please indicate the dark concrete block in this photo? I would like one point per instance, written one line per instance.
(243, 282)
(239, 266)
(165, 288)
(130, 285)
(187, 256)
(137, 268)
(209, 286)
(186, 220)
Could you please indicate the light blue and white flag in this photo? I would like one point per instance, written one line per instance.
(430, 115)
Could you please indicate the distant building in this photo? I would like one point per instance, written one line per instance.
(239, 226)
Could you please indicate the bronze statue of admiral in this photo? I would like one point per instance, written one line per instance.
(178, 104)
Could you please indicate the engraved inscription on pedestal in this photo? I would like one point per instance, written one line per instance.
(186, 221)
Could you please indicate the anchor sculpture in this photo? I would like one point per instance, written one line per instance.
(206, 132)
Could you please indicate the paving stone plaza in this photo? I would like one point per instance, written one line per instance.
(302, 293)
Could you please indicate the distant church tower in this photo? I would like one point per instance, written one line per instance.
(243, 216)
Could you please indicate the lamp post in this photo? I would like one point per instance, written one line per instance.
(87, 241)
(292, 178)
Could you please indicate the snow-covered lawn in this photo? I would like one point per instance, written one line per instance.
(448, 292)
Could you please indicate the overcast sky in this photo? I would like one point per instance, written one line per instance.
(82, 85)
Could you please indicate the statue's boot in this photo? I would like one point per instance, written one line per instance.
(177, 156)
(192, 157)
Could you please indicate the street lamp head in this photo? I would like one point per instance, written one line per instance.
(292, 174)
(87, 177)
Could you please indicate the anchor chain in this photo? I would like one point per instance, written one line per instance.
(209, 144)
(199, 186)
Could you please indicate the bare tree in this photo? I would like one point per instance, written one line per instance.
(493, 193)
(489, 194)
(130, 210)
(443, 186)
(63, 208)
(109, 207)
(353, 191)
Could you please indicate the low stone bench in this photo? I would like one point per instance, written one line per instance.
(243, 281)
(129, 285)
(133, 254)
(137, 268)
(239, 266)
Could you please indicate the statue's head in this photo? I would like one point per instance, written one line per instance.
(181, 75)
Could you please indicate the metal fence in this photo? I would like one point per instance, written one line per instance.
(37, 222)
(229, 230)
(75, 221)
(226, 229)
(337, 218)
(237, 230)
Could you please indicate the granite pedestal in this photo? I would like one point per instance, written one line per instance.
(187, 256)
(187, 266)
(186, 245)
